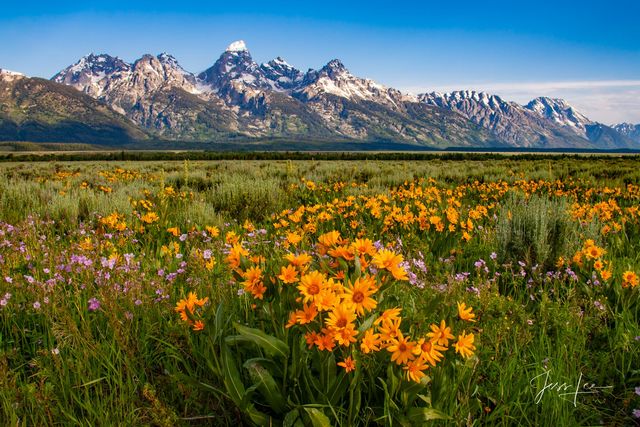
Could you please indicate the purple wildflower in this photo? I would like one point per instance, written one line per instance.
(94, 304)
(461, 277)
(419, 263)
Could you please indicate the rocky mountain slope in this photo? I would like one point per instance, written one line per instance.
(33, 109)
(629, 130)
(542, 123)
(237, 95)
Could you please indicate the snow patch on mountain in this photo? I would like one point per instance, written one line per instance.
(6, 72)
(629, 130)
(335, 79)
(9, 76)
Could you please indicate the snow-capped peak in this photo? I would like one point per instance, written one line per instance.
(237, 46)
(560, 112)
(335, 65)
(462, 97)
(629, 130)
(624, 126)
(92, 64)
(282, 62)
(167, 58)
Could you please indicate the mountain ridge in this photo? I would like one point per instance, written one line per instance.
(38, 110)
(236, 96)
(629, 130)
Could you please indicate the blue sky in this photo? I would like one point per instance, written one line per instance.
(586, 52)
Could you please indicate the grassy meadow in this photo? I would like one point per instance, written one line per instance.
(320, 293)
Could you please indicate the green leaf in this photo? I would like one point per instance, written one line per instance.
(266, 385)
(97, 380)
(318, 418)
(274, 369)
(355, 399)
(387, 416)
(393, 381)
(326, 363)
(258, 417)
(410, 391)
(297, 361)
(420, 415)
(291, 418)
(271, 345)
(358, 271)
(425, 399)
(219, 323)
(338, 388)
(313, 388)
(231, 376)
(367, 323)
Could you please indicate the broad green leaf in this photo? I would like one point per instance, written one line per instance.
(248, 396)
(274, 369)
(267, 386)
(258, 417)
(231, 376)
(271, 345)
(318, 418)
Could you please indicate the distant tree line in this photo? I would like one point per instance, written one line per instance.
(300, 155)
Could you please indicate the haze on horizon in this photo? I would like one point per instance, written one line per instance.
(579, 51)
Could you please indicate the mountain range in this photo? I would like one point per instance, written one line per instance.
(105, 100)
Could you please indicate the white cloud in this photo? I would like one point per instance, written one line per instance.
(606, 101)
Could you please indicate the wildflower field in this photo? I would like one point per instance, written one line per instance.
(320, 293)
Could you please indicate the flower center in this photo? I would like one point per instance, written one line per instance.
(314, 289)
(358, 297)
(341, 323)
(402, 347)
